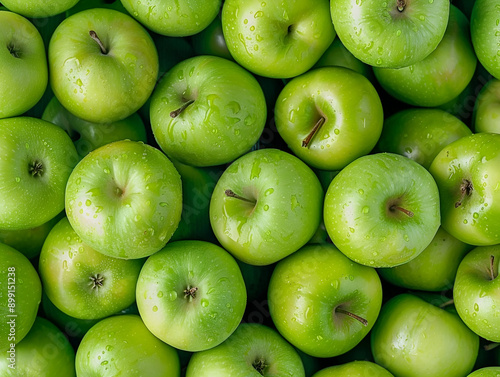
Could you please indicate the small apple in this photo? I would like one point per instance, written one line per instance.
(485, 33)
(487, 108)
(382, 210)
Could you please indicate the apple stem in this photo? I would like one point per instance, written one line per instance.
(94, 36)
(190, 292)
(363, 321)
(447, 303)
(401, 4)
(401, 209)
(465, 190)
(317, 126)
(489, 347)
(96, 281)
(493, 275)
(231, 194)
(176, 113)
(36, 169)
(260, 365)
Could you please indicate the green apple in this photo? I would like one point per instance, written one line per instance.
(486, 372)
(24, 73)
(88, 136)
(390, 33)
(124, 199)
(487, 108)
(354, 369)
(103, 65)
(80, 281)
(211, 41)
(277, 39)
(123, 346)
(322, 302)
(36, 159)
(485, 33)
(420, 134)
(89, 4)
(207, 111)
(382, 210)
(434, 269)
(467, 173)
(266, 205)
(20, 295)
(39, 8)
(441, 76)
(253, 350)
(172, 17)
(476, 292)
(44, 352)
(329, 117)
(191, 295)
(413, 338)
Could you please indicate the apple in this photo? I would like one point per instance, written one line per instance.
(211, 41)
(36, 159)
(322, 302)
(354, 369)
(420, 134)
(80, 281)
(277, 39)
(390, 34)
(476, 293)
(467, 174)
(20, 295)
(174, 18)
(38, 8)
(124, 199)
(485, 34)
(44, 352)
(90, 4)
(442, 75)
(487, 108)
(265, 206)
(122, 345)
(88, 136)
(382, 210)
(252, 350)
(191, 295)
(434, 269)
(207, 111)
(103, 65)
(413, 338)
(486, 372)
(24, 74)
(329, 117)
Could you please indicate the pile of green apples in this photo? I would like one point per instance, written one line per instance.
(209, 188)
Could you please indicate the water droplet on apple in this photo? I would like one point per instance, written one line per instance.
(476, 307)
(336, 131)
(245, 21)
(398, 33)
(155, 308)
(88, 202)
(352, 230)
(204, 302)
(465, 221)
(258, 14)
(65, 265)
(18, 179)
(266, 207)
(421, 17)
(366, 209)
(172, 295)
(319, 337)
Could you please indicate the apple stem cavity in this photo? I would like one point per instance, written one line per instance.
(317, 126)
(94, 36)
(13, 51)
(401, 209)
(36, 169)
(466, 189)
(401, 5)
(190, 292)
(363, 321)
(232, 194)
(96, 281)
(176, 113)
(260, 365)
(493, 275)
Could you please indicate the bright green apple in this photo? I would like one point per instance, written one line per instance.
(441, 76)
(390, 33)
(123, 346)
(420, 134)
(103, 65)
(485, 33)
(191, 295)
(266, 205)
(322, 302)
(252, 350)
(329, 117)
(36, 159)
(486, 372)
(413, 338)
(124, 199)
(354, 369)
(277, 39)
(38, 8)
(467, 173)
(487, 108)
(382, 210)
(24, 73)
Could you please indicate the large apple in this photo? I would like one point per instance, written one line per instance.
(276, 38)
(38, 8)
(24, 74)
(382, 210)
(103, 65)
(124, 199)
